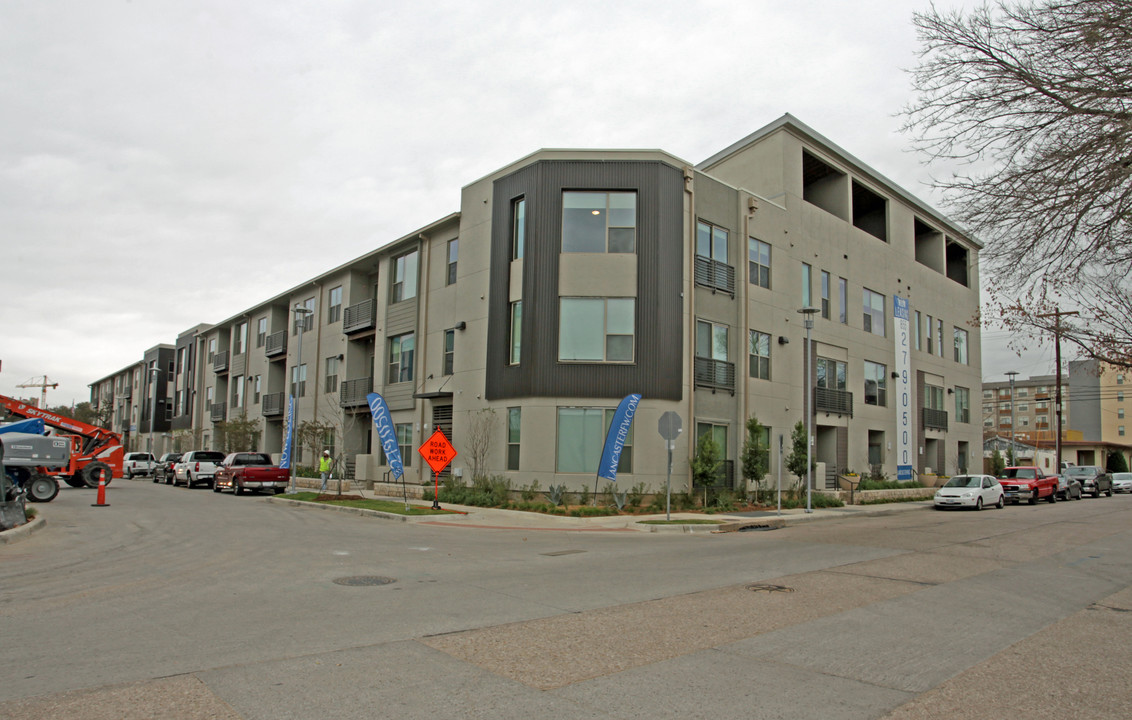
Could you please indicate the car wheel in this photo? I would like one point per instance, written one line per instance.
(215, 487)
(1097, 492)
(1109, 493)
(978, 504)
(129, 476)
(1053, 497)
(1034, 498)
(237, 489)
(1001, 503)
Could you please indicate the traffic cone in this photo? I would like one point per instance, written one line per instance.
(101, 493)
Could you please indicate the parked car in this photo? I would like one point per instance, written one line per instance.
(1122, 482)
(972, 491)
(1029, 483)
(137, 463)
(164, 469)
(1093, 478)
(1068, 488)
(197, 466)
(250, 471)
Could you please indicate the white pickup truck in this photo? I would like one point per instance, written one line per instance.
(197, 466)
(137, 463)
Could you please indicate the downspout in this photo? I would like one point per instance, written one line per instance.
(690, 285)
(423, 269)
(744, 314)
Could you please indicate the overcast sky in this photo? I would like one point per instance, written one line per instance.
(282, 139)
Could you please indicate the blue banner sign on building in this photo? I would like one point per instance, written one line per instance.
(285, 463)
(904, 439)
(383, 421)
(618, 434)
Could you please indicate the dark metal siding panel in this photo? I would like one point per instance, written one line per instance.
(657, 372)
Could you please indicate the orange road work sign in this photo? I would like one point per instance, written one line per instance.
(437, 451)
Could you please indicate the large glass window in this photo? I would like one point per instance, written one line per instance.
(831, 374)
(334, 311)
(711, 242)
(401, 358)
(299, 381)
(581, 438)
(876, 384)
(961, 346)
(596, 329)
(405, 277)
(516, 331)
(261, 332)
(331, 374)
(711, 340)
(759, 357)
(758, 262)
(518, 228)
(599, 222)
(933, 397)
(238, 391)
(874, 312)
(514, 426)
(962, 404)
(718, 433)
(306, 318)
(240, 337)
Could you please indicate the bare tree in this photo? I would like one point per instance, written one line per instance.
(481, 434)
(1034, 102)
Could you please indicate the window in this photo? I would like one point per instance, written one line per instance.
(874, 312)
(759, 355)
(939, 334)
(331, 375)
(1120, 431)
(960, 346)
(329, 441)
(825, 303)
(1025, 422)
(261, 332)
(1023, 407)
(1120, 413)
(238, 391)
(453, 254)
(917, 333)
(516, 331)
(400, 359)
(334, 312)
(257, 388)
(758, 262)
(1023, 392)
(596, 329)
(711, 242)
(1120, 396)
(405, 277)
(717, 433)
(240, 338)
(1120, 379)
(962, 404)
(599, 222)
(711, 340)
(449, 352)
(306, 318)
(208, 398)
(928, 332)
(514, 425)
(581, 438)
(807, 285)
(518, 228)
(831, 374)
(876, 384)
(843, 301)
(933, 397)
(405, 443)
(211, 353)
(299, 381)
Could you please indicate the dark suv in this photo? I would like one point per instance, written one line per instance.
(1093, 479)
(164, 469)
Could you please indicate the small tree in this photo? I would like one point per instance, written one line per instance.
(311, 434)
(756, 455)
(997, 463)
(481, 433)
(796, 460)
(1116, 463)
(706, 462)
(238, 434)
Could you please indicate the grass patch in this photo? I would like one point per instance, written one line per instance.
(397, 508)
(681, 522)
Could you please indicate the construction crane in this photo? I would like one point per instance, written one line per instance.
(42, 383)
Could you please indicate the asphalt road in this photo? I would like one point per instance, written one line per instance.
(186, 604)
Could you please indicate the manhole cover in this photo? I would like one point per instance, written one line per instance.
(756, 528)
(763, 587)
(363, 580)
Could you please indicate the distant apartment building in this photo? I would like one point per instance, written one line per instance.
(569, 279)
(1029, 414)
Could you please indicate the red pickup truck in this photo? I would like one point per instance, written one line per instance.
(244, 471)
(1028, 483)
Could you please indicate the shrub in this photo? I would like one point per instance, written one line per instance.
(636, 495)
(529, 492)
(871, 484)
(556, 494)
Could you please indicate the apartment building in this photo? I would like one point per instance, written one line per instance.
(571, 278)
(1029, 412)
(1100, 397)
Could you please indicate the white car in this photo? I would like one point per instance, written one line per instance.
(972, 491)
(198, 466)
(1122, 482)
(137, 463)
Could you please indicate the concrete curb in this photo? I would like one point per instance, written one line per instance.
(19, 533)
(341, 508)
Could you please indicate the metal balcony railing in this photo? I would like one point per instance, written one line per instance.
(359, 317)
(833, 401)
(274, 404)
(715, 275)
(354, 392)
(715, 374)
(220, 362)
(935, 419)
(276, 344)
(219, 411)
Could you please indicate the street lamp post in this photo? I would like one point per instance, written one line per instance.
(1011, 374)
(154, 373)
(808, 323)
(301, 314)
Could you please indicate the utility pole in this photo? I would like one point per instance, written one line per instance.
(1057, 315)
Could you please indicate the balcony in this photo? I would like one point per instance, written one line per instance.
(220, 362)
(715, 275)
(715, 374)
(935, 419)
(359, 317)
(274, 404)
(276, 344)
(833, 401)
(219, 411)
(354, 392)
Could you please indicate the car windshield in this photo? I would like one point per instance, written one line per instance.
(964, 481)
(1122, 476)
(1080, 471)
